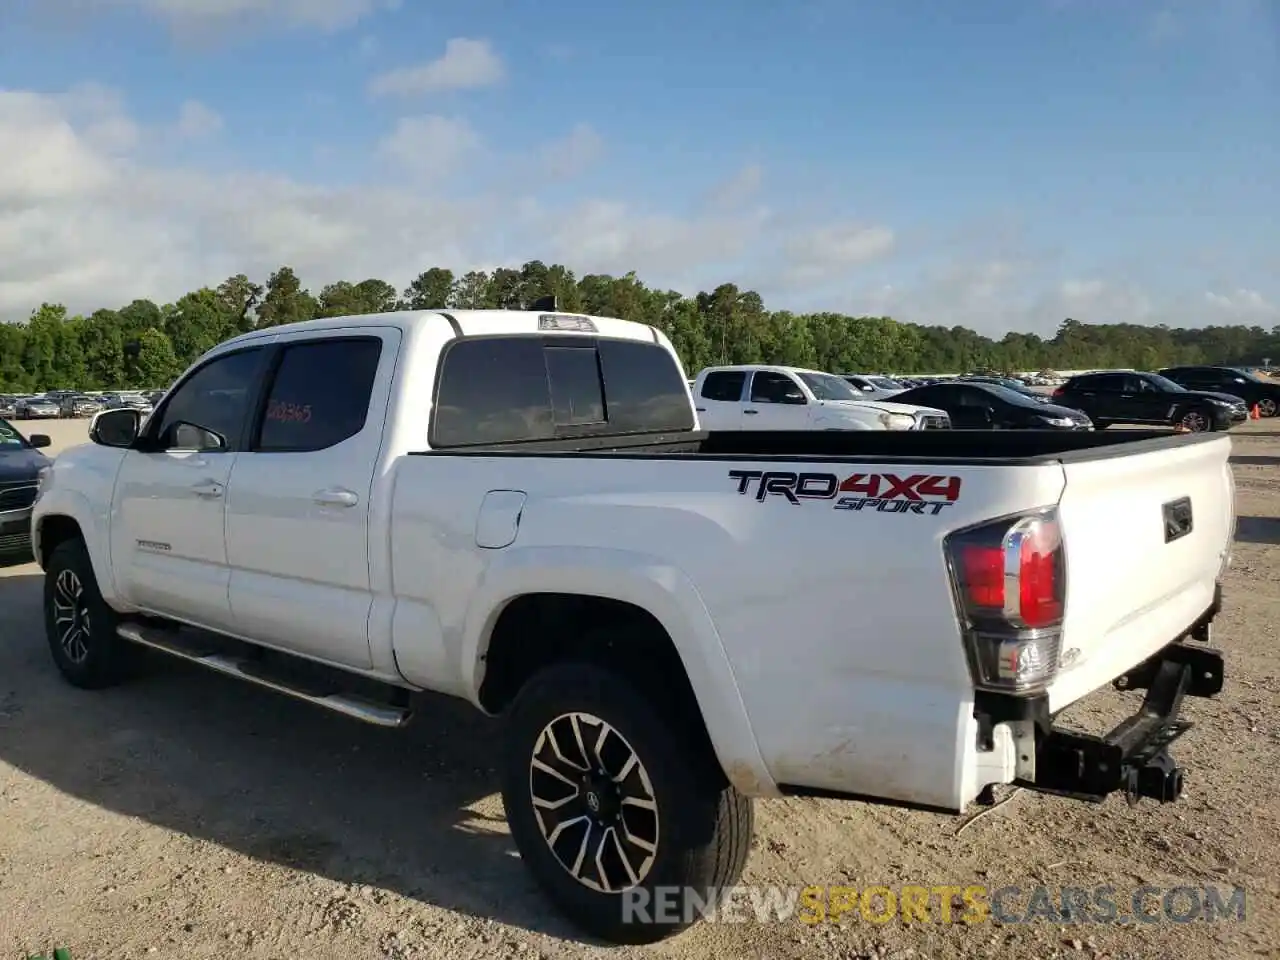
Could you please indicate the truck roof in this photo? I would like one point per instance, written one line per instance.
(469, 323)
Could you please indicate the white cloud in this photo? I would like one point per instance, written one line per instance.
(828, 252)
(197, 121)
(1242, 306)
(430, 147)
(574, 153)
(188, 15)
(465, 64)
(612, 237)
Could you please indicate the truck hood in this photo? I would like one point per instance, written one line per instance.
(19, 463)
(883, 406)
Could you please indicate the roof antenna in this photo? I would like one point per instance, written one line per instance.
(549, 302)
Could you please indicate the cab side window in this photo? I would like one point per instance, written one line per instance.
(319, 394)
(768, 386)
(207, 412)
(724, 385)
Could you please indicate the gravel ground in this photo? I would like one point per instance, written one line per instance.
(189, 815)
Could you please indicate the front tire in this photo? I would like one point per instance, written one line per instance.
(1267, 407)
(628, 826)
(1196, 420)
(79, 625)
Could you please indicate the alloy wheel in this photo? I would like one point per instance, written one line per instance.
(1267, 407)
(594, 802)
(71, 616)
(1195, 422)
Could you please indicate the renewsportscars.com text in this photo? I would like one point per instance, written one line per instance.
(945, 904)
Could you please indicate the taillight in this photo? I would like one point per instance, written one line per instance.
(1010, 584)
(1059, 394)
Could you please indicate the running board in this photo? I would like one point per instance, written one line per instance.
(378, 714)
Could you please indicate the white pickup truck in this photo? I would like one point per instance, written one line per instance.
(763, 397)
(519, 509)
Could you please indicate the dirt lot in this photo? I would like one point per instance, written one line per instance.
(187, 815)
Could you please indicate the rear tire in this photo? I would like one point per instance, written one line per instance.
(80, 627)
(616, 756)
(1267, 407)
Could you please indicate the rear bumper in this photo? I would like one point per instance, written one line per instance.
(1132, 758)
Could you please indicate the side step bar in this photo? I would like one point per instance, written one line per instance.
(378, 714)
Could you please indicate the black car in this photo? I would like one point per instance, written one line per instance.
(989, 406)
(1241, 383)
(1131, 397)
(21, 465)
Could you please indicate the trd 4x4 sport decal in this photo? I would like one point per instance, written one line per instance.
(920, 493)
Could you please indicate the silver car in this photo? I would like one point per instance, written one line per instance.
(36, 408)
(79, 406)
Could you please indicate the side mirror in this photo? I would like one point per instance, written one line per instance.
(115, 428)
(188, 436)
(794, 396)
(39, 440)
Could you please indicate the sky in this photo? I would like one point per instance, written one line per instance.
(1001, 164)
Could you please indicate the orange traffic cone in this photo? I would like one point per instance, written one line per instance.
(1255, 413)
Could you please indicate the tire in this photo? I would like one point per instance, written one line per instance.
(700, 830)
(1267, 407)
(1101, 424)
(93, 657)
(1196, 420)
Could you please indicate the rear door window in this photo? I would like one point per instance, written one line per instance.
(319, 395)
(724, 385)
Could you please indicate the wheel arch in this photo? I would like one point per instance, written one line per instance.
(542, 605)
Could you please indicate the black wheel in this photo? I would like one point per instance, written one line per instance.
(1267, 407)
(80, 627)
(1196, 420)
(629, 827)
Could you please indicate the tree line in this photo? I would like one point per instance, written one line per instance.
(144, 344)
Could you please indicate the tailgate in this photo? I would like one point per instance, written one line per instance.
(1138, 573)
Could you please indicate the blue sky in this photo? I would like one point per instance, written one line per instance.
(997, 163)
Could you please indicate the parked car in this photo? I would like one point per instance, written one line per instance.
(873, 388)
(763, 397)
(1148, 398)
(1249, 387)
(977, 405)
(519, 510)
(22, 467)
(78, 405)
(36, 408)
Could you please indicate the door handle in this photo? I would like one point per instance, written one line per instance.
(335, 497)
(700, 409)
(751, 412)
(208, 490)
